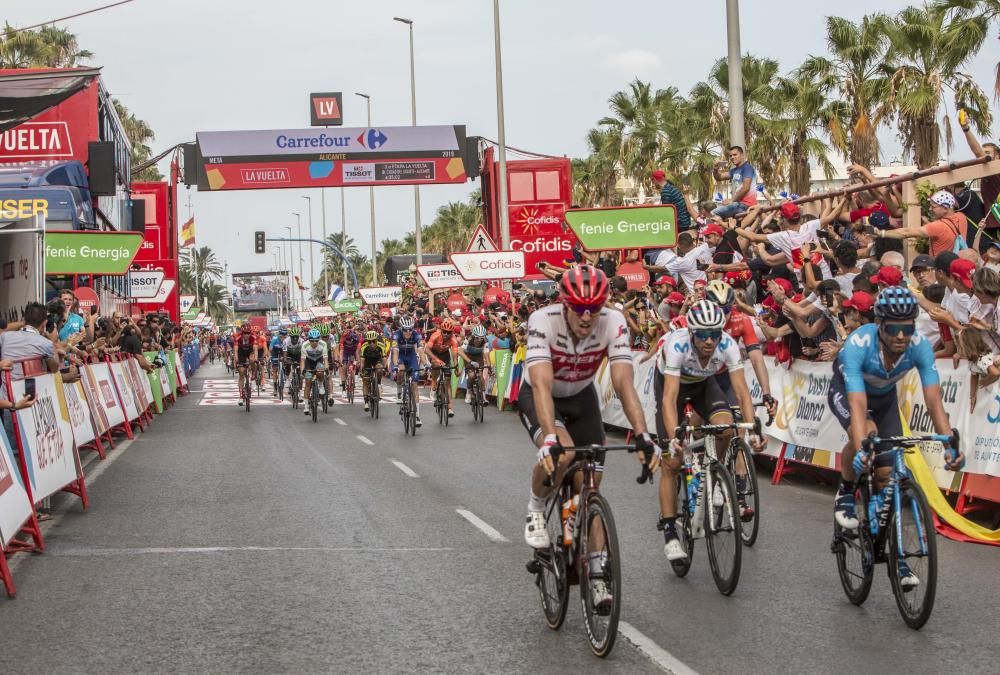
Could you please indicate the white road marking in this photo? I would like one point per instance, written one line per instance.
(483, 526)
(98, 552)
(653, 651)
(405, 469)
(365, 440)
(340, 421)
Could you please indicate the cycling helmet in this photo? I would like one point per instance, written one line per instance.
(584, 285)
(896, 303)
(705, 315)
(479, 331)
(294, 331)
(314, 334)
(447, 325)
(720, 292)
(283, 332)
(371, 336)
(324, 329)
(406, 323)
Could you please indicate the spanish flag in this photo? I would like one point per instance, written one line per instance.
(187, 233)
(299, 283)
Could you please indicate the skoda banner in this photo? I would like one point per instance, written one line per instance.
(347, 306)
(625, 227)
(90, 252)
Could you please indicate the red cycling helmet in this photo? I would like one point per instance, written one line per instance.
(584, 286)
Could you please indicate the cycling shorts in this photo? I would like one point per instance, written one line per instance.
(243, 355)
(579, 415)
(707, 398)
(443, 356)
(883, 410)
(346, 358)
(311, 365)
(367, 363)
(409, 361)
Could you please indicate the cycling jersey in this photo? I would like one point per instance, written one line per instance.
(864, 370)
(574, 362)
(349, 342)
(677, 356)
(439, 344)
(371, 352)
(475, 349)
(293, 350)
(315, 352)
(277, 347)
(407, 345)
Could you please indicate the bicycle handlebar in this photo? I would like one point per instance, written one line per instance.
(873, 440)
(589, 452)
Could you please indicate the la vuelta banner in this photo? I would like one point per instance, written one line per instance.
(46, 435)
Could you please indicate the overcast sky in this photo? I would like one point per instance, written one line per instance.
(206, 65)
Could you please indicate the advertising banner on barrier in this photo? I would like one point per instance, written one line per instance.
(125, 395)
(79, 413)
(46, 435)
(381, 295)
(155, 381)
(171, 373)
(504, 367)
(93, 399)
(15, 508)
(179, 369)
(106, 395)
(803, 417)
(139, 384)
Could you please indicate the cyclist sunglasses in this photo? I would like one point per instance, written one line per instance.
(894, 329)
(704, 335)
(583, 309)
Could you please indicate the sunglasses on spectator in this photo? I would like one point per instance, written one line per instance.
(704, 335)
(895, 329)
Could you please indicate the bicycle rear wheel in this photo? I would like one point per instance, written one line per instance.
(722, 530)
(683, 526)
(912, 539)
(552, 577)
(855, 551)
(746, 489)
(350, 388)
(601, 620)
(246, 396)
(413, 410)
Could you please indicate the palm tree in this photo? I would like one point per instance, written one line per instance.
(931, 47)
(60, 48)
(139, 135)
(216, 304)
(452, 228)
(23, 49)
(807, 115)
(988, 9)
(202, 265)
(861, 65)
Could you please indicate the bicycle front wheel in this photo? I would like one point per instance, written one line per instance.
(913, 556)
(747, 495)
(722, 530)
(600, 578)
(553, 571)
(855, 551)
(682, 524)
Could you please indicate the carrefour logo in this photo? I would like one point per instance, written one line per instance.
(372, 139)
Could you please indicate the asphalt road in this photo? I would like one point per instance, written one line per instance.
(224, 541)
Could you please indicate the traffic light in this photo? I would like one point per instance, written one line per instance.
(259, 239)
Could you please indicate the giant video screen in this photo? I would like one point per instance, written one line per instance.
(259, 291)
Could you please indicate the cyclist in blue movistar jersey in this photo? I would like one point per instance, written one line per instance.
(277, 349)
(862, 393)
(407, 345)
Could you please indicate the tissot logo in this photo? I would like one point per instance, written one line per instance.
(268, 175)
(359, 173)
(36, 140)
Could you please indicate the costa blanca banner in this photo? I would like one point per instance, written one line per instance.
(489, 265)
(443, 275)
(46, 435)
(381, 295)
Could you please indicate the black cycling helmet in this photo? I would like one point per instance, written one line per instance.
(896, 303)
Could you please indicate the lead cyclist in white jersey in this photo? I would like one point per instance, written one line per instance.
(567, 343)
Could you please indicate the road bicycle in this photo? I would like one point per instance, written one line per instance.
(294, 383)
(278, 379)
(747, 494)
(245, 386)
(317, 391)
(715, 518)
(442, 393)
(408, 403)
(475, 389)
(895, 527)
(370, 381)
(349, 382)
(258, 375)
(583, 546)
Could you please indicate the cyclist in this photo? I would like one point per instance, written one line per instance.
(567, 342)
(687, 363)
(475, 355)
(262, 346)
(292, 351)
(246, 352)
(439, 350)
(315, 356)
(277, 348)
(862, 395)
(349, 340)
(372, 359)
(740, 327)
(406, 350)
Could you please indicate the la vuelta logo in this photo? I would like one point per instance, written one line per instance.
(36, 140)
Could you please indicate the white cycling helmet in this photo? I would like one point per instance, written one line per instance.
(706, 315)
(479, 331)
(406, 323)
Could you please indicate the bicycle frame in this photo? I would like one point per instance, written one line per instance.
(705, 446)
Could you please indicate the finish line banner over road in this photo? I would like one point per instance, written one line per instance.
(332, 157)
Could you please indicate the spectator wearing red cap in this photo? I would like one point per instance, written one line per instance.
(724, 243)
(886, 277)
(669, 194)
(857, 310)
(671, 308)
(794, 233)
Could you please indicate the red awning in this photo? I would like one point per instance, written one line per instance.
(25, 94)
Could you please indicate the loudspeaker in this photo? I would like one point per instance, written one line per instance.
(138, 222)
(101, 167)
(191, 164)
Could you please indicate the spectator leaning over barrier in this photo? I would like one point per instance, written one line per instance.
(6, 366)
(926, 326)
(943, 232)
(857, 310)
(741, 176)
(670, 194)
(686, 262)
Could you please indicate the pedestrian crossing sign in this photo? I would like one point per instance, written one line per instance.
(481, 242)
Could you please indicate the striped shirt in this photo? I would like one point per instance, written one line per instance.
(671, 195)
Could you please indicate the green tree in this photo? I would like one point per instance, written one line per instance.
(60, 48)
(931, 48)
(140, 135)
(23, 49)
(988, 9)
(452, 228)
(203, 267)
(215, 299)
(860, 62)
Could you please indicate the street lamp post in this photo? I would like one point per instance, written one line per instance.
(371, 197)
(504, 216)
(736, 132)
(290, 272)
(275, 266)
(326, 276)
(302, 261)
(413, 111)
(343, 236)
(312, 269)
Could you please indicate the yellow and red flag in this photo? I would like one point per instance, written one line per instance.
(299, 283)
(187, 233)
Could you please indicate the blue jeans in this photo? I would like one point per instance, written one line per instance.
(730, 210)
